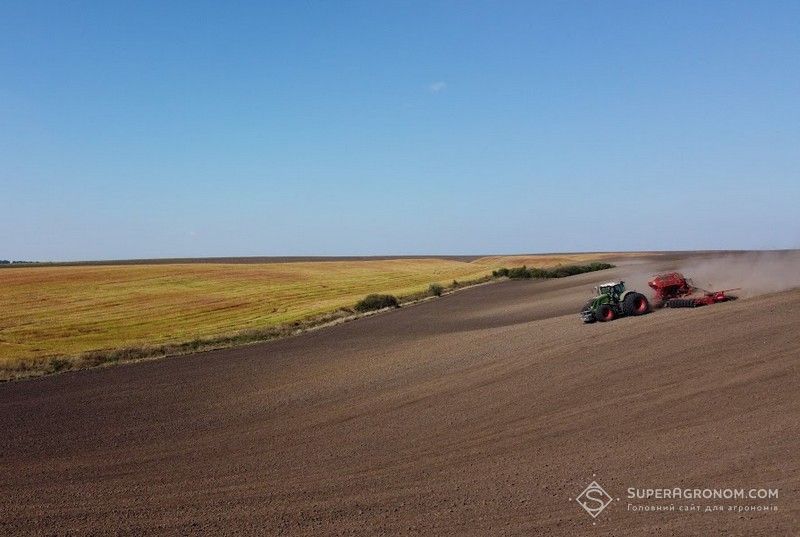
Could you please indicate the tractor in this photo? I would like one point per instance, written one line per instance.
(612, 301)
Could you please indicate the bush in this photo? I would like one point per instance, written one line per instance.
(435, 289)
(59, 364)
(556, 272)
(539, 273)
(500, 273)
(519, 272)
(377, 302)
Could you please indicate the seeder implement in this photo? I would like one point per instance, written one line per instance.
(673, 290)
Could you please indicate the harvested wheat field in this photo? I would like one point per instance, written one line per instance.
(485, 412)
(63, 311)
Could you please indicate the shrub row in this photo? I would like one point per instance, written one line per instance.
(555, 272)
(377, 302)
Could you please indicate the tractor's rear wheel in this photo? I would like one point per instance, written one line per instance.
(635, 304)
(604, 313)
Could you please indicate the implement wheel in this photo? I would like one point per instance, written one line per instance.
(680, 303)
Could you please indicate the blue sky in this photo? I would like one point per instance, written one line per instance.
(164, 129)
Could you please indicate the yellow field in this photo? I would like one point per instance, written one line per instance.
(66, 311)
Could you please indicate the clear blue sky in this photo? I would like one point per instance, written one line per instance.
(161, 129)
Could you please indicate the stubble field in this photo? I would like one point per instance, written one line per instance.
(63, 311)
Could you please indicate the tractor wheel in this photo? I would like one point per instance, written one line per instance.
(605, 313)
(635, 304)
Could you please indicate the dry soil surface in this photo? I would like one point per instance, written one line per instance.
(484, 412)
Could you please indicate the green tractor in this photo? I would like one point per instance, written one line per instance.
(614, 301)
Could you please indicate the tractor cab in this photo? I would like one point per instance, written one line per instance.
(612, 289)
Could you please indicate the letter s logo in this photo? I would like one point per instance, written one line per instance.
(594, 499)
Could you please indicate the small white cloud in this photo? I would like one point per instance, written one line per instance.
(437, 87)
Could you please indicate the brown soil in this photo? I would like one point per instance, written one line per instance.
(482, 412)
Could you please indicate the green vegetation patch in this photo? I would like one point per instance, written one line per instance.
(545, 273)
(377, 302)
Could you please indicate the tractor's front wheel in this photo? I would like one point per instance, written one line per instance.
(635, 304)
(604, 313)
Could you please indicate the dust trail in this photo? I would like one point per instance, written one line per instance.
(755, 272)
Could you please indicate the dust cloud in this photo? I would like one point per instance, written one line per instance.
(755, 273)
(751, 273)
